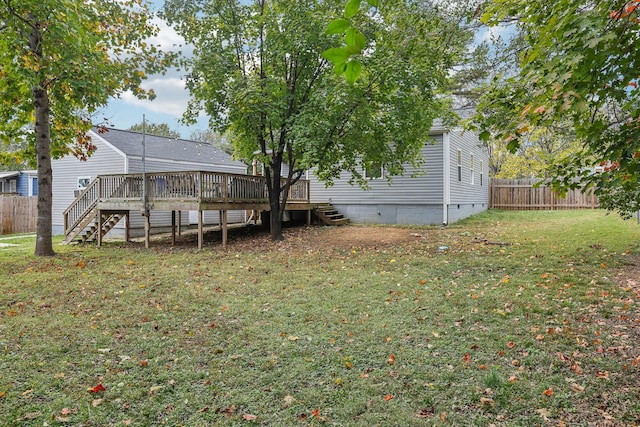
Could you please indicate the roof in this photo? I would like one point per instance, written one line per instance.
(10, 174)
(162, 147)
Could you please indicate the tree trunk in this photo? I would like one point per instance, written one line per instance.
(44, 246)
(276, 209)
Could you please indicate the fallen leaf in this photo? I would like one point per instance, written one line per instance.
(288, 400)
(316, 412)
(249, 417)
(425, 413)
(388, 397)
(548, 392)
(466, 358)
(96, 389)
(577, 388)
(204, 409)
(512, 379)
(443, 416)
(392, 359)
(511, 344)
(65, 411)
(154, 388)
(96, 402)
(2, 394)
(487, 401)
(602, 374)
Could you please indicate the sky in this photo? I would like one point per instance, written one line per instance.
(172, 96)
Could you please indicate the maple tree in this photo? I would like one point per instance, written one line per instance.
(60, 62)
(579, 67)
(258, 69)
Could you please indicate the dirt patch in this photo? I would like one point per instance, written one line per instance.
(299, 237)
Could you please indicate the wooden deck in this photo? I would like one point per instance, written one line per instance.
(111, 197)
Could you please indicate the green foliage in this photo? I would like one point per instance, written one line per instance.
(281, 98)
(90, 52)
(580, 67)
(160, 129)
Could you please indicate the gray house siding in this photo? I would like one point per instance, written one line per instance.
(434, 196)
(469, 188)
(413, 198)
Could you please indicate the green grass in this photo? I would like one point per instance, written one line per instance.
(542, 331)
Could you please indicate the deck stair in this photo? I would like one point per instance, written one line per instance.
(329, 215)
(87, 230)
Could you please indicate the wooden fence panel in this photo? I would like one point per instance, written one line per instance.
(18, 214)
(521, 194)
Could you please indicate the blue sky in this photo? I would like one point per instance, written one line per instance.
(172, 96)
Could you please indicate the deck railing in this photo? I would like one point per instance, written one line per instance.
(81, 206)
(201, 186)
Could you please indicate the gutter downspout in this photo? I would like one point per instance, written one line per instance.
(446, 176)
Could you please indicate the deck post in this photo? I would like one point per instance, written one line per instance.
(179, 223)
(173, 228)
(224, 229)
(99, 231)
(200, 228)
(127, 227)
(309, 217)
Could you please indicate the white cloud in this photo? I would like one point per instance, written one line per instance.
(171, 96)
(167, 38)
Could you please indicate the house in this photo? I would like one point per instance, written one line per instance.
(128, 152)
(21, 183)
(452, 184)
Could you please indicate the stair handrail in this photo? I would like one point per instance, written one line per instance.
(86, 201)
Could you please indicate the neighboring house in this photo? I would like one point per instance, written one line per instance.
(22, 183)
(121, 152)
(452, 184)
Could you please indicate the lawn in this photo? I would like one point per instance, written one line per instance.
(508, 318)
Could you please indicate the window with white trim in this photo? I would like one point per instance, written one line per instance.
(471, 169)
(374, 171)
(481, 173)
(83, 182)
(459, 166)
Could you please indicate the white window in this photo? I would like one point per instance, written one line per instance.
(471, 169)
(481, 173)
(13, 186)
(374, 171)
(83, 182)
(459, 166)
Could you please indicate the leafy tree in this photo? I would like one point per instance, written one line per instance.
(534, 155)
(60, 61)
(258, 70)
(214, 138)
(581, 66)
(159, 129)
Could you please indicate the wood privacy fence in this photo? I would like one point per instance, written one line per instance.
(18, 214)
(521, 194)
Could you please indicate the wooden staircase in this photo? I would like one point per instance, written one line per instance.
(82, 220)
(329, 215)
(87, 230)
